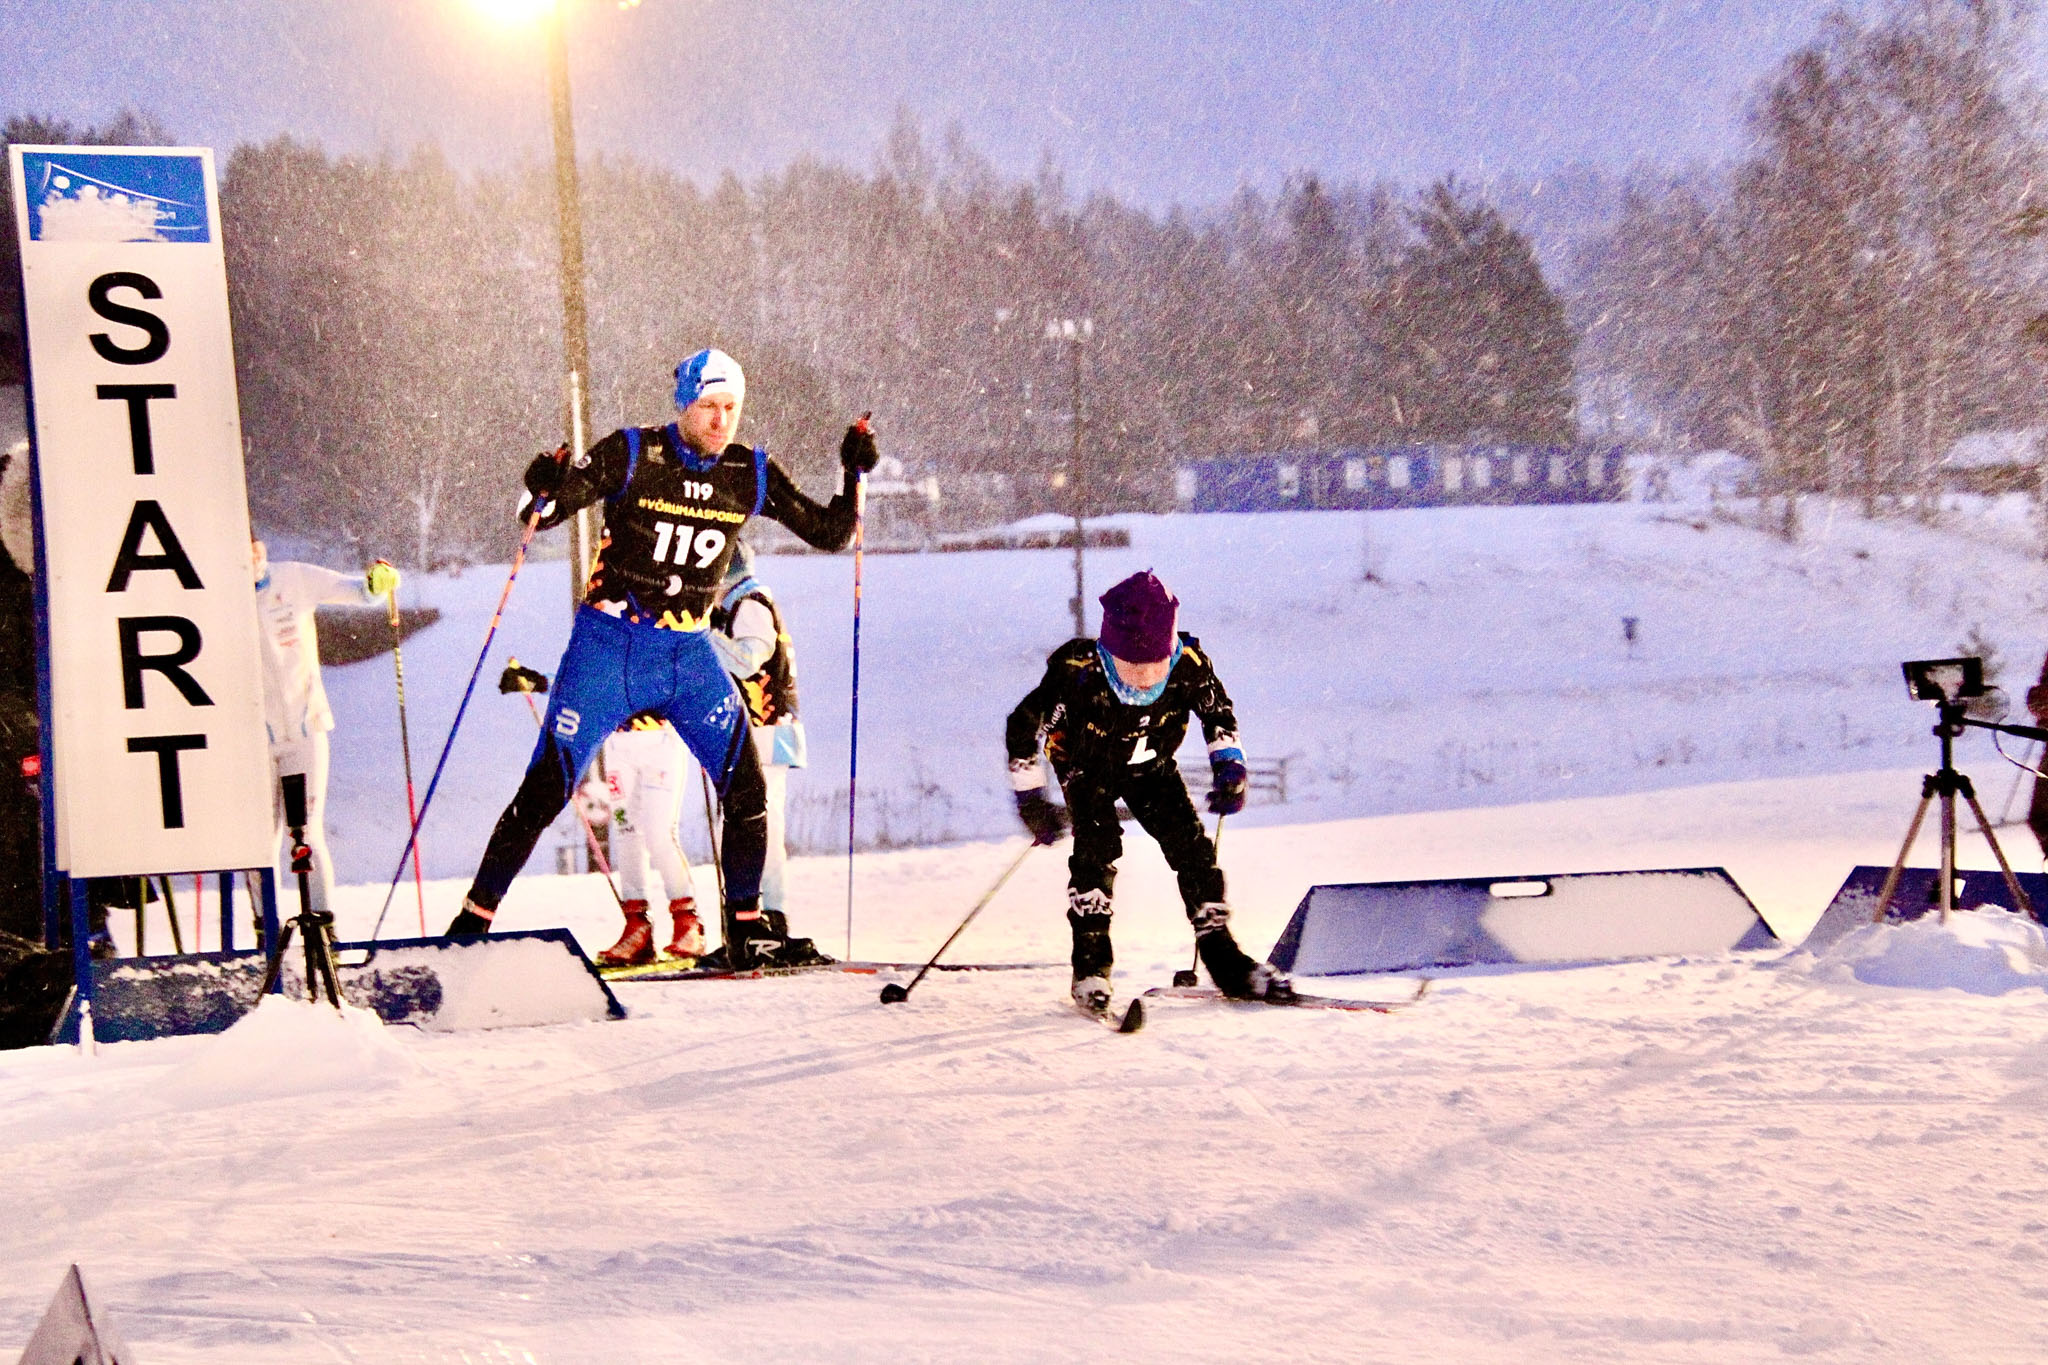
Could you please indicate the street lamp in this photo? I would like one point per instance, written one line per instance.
(1074, 331)
(569, 217)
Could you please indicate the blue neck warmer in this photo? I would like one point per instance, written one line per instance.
(687, 454)
(1135, 696)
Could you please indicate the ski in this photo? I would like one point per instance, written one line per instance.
(693, 969)
(1296, 1001)
(1130, 1021)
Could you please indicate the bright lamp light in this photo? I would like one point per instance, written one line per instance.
(512, 12)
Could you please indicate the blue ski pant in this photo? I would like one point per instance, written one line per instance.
(614, 669)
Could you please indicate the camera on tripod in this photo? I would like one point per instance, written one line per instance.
(316, 927)
(1957, 686)
(294, 785)
(1945, 681)
(1958, 689)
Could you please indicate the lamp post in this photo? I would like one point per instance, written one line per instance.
(553, 16)
(575, 317)
(1074, 331)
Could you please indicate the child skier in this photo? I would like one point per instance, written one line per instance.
(1111, 713)
(675, 500)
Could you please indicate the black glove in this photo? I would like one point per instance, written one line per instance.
(544, 475)
(467, 924)
(1046, 821)
(857, 453)
(517, 677)
(1226, 796)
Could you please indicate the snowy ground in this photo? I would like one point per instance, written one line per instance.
(1702, 1160)
(1483, 663)
(1706, 1160)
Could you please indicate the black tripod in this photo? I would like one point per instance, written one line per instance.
(1947, 784)
(316, 927)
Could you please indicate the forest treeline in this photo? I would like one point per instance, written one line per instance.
(1840, 304)
(1864, 286)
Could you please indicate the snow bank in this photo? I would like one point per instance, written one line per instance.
(288, 1047)
(1984, 952)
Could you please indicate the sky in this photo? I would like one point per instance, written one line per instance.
(1157, 101)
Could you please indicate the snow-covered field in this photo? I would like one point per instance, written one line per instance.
(1706, 1160)
(1483, 663)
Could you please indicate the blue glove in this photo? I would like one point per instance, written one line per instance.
(1226, 794)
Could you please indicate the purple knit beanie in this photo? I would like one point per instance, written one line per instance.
(1137, 619)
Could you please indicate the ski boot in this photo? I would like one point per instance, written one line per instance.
(1230, 967)
(756, 938)
(1091, 993)
(1088, 914)
(688, 938)
(635, 947)
(472, 921)
(794, 952)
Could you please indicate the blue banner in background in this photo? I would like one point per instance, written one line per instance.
(115, 197)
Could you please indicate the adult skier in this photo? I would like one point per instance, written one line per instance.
(753, 641)
(1111, 713)
(675, 500)
(644, 767)
(295, 708)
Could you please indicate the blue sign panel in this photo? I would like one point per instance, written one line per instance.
(110, 197)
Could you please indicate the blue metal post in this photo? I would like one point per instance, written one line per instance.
(227, 915)
(46, 784)
(81, 942)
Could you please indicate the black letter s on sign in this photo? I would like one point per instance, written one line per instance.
(159, 334)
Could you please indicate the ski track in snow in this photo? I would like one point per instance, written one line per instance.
(1683, 1160)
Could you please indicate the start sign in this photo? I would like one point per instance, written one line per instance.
(159, 754)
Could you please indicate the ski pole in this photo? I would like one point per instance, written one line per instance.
(412, 838)
(893, 993)
(1188, 976)
(412, 810)
(522, 680)
(860, 507)
(711, 833)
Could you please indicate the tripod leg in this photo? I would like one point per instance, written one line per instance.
(1948, 855)
(309, 935)
(1891, 880)
(2012, 883)
(270, 973)
(326, 934)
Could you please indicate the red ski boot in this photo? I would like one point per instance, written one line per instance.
(688, 939)
(636, 945)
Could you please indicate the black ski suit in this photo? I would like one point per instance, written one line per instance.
(1104, 749)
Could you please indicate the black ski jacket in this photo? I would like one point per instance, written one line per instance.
(671, 515)
(1089, 732)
